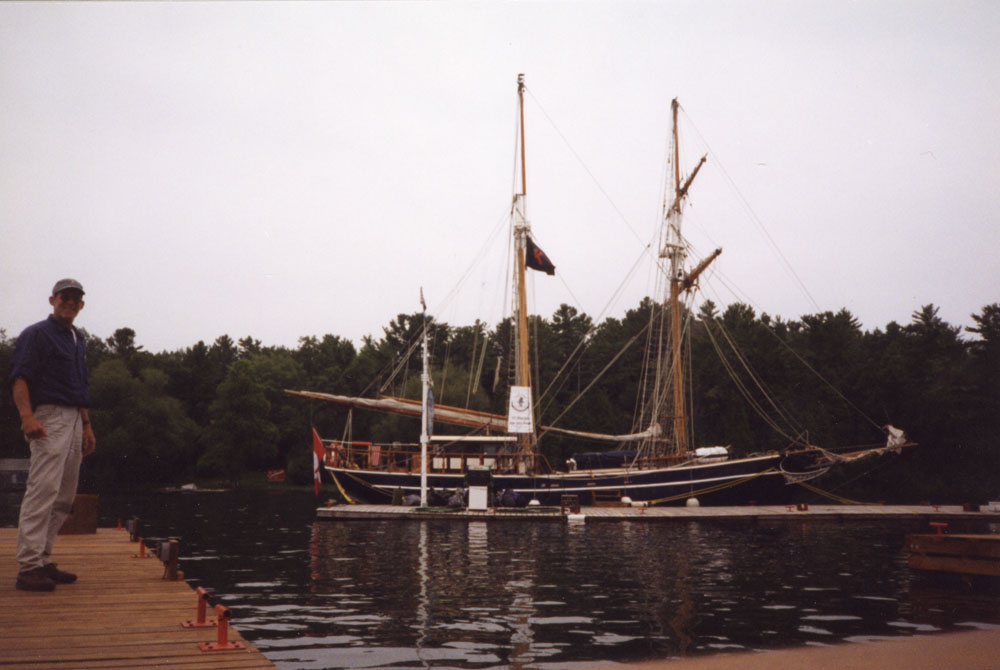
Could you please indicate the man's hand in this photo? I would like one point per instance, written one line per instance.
(89, 440)
(32, 427)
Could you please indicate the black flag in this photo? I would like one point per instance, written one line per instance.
(537, 260)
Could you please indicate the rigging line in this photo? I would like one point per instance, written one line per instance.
(573, 359)
(472, 363)
(482, 361)
(495, 231)
(823, 379)
(792, 424)
(864, 473)
(585, 340)
(654, 345)
(595, 324)
(508, 271)
(720, 277)
(658, 404)
(572, 363)
(517, 152)
(602, 315)
(569, 290)
(402, 364)
(753, 216)
(664, 366)
(725, 282)
(444, 371)
(578, 305)
(649, 401)
(476, 361)
(348, 434)
(349, 499)
(396, 365)
(557, 384)
(788, 419)
(745, 392)
(586, 169)
(688, 328)
(570, 405)
(712, 489)
(668, 372)
(390, 368)
(832, 496)
(616, 295)
(533, 324)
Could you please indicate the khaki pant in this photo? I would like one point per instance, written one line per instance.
(52, 480)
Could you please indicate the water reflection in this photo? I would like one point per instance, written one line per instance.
(530, 596)
(328, 594)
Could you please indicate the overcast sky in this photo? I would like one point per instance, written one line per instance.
(282, 170)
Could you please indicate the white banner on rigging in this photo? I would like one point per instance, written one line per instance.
(519, 414)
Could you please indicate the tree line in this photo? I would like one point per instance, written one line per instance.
(219, 411)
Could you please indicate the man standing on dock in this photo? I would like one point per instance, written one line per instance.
(48, 380)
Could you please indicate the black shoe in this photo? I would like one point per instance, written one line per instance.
(36, 579)
(59, 576)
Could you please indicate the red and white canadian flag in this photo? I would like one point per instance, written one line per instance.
(318, 454)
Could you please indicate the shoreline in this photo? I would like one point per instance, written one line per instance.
(968, 650)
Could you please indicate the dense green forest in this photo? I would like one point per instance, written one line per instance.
(218, 410)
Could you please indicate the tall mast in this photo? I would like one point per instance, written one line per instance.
(425, 387)
(521, 229)
(676, 273)
(679, 283)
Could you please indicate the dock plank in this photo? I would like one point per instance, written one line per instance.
(120, 613)
(602, 513)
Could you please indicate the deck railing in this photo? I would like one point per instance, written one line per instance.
(405, 457)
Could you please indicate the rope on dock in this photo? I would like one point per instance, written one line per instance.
(832, 496)
(712, 489)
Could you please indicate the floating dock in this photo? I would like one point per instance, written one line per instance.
(958, 553)
(120, 613)
(606, 513)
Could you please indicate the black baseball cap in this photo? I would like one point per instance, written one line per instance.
(64, 284)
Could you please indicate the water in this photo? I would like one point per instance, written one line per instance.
(453, 594)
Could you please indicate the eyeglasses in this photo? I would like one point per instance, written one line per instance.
(71, 296)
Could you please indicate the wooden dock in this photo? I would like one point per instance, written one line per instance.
(603, 513)
(121, 613)
(959, 553)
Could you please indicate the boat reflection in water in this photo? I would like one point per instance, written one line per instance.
(507, 594)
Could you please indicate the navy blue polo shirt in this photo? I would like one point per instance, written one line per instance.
(52, 359)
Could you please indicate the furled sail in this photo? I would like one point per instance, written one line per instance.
(460, 416)
(896, 437)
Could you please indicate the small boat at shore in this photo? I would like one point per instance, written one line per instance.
(655, 463)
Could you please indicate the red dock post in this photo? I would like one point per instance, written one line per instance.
(202, 603)
(142, 550)
(222, 642)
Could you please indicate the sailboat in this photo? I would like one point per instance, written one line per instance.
(656, 463)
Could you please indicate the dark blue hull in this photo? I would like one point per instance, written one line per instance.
(732, 482)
